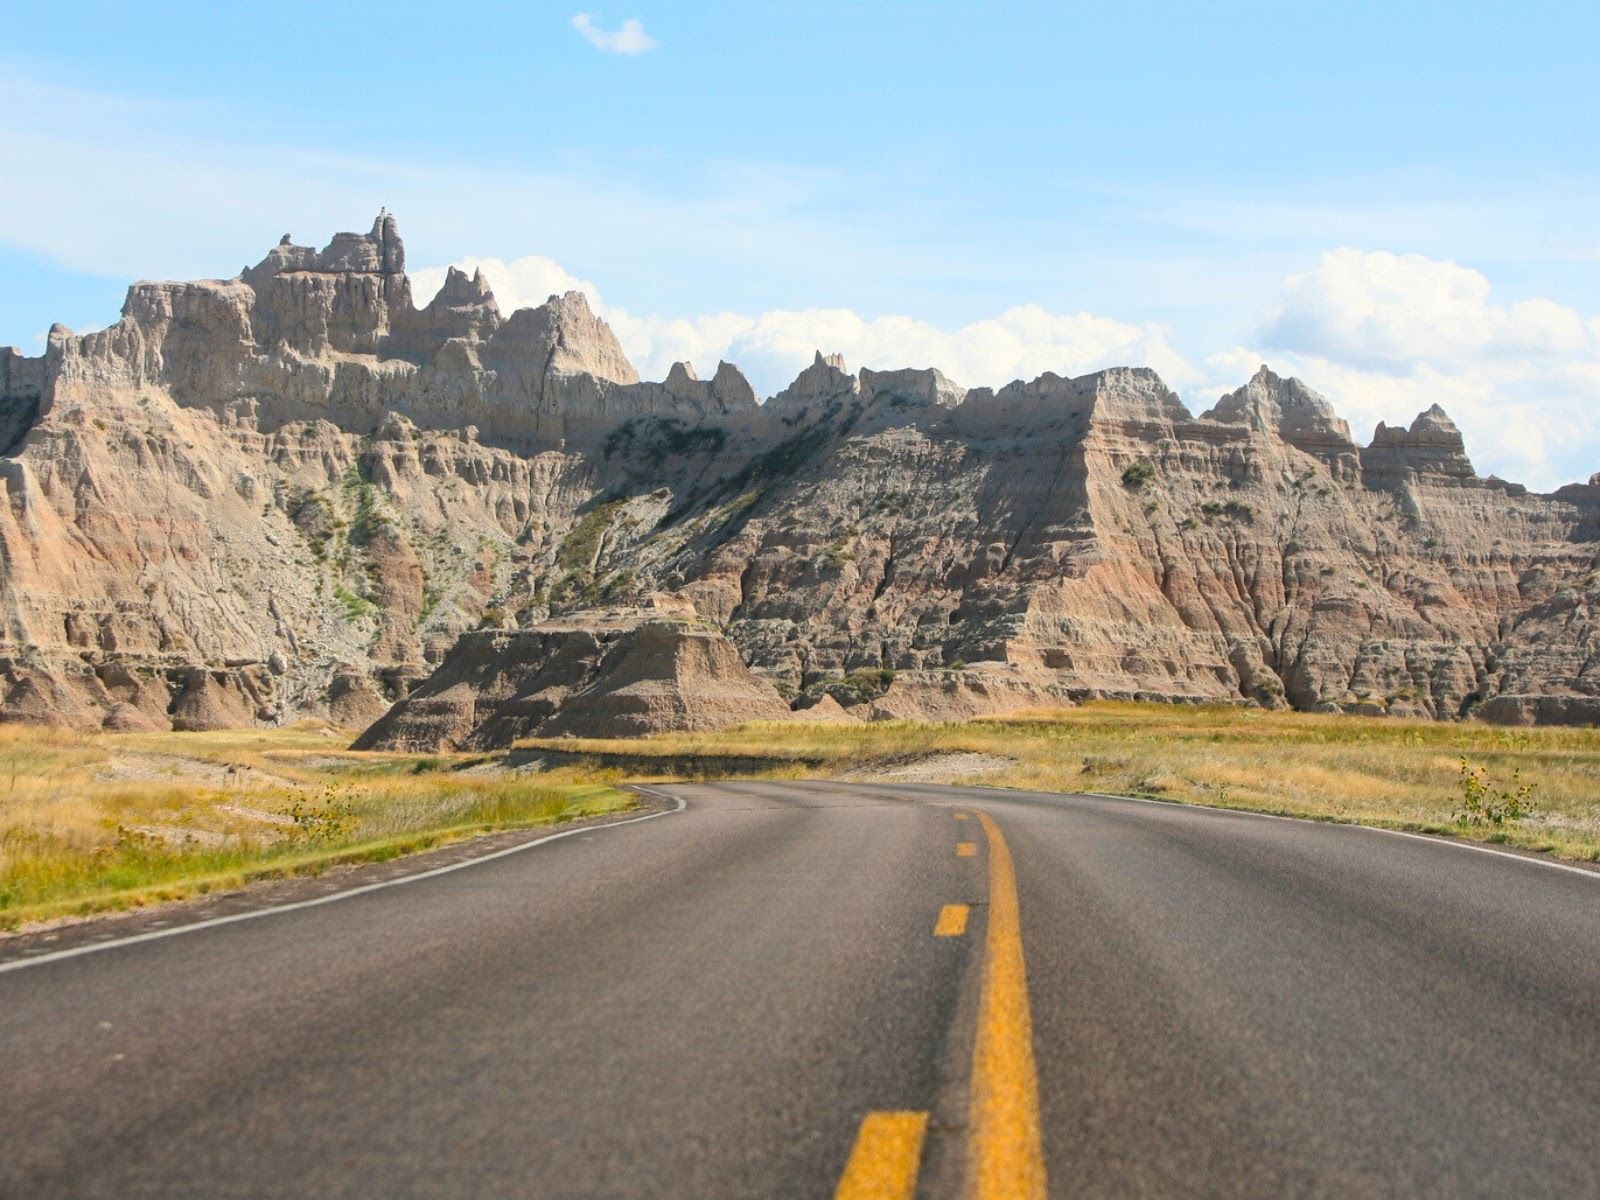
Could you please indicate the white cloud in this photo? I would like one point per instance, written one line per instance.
(629, 38)
(1386, 335)
(1381, 308)
(773, 346)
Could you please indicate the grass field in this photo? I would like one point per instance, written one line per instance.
(1371, 770)
(100, 821)
(96, 821)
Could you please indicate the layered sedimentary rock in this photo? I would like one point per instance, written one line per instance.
(291, 492)
(603, 674)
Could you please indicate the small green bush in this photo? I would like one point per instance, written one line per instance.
(1138, 474)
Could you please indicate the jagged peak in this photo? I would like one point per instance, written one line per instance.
(1271, 403)
(727, 390)
(571, 301)
(567, 336)
(1434, 419)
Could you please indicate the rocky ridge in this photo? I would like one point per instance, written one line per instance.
(290, 492)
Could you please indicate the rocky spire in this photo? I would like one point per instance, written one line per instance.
(681, 377)
(826, 376)
(391, 250)
(732, 389)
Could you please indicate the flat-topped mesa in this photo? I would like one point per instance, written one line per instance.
(1431, 449)
(911, 388)
(1131, 400)
(1288, 409)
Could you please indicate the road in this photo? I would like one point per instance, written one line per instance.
(777, 991)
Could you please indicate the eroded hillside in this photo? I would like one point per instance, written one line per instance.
(288, 493)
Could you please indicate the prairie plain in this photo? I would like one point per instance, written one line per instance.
(92, 822)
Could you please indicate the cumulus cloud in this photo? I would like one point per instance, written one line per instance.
(1386, 335)
(628, 38)
(772, 347)
(1385, 309)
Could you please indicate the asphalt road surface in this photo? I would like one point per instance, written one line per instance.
(829, 989)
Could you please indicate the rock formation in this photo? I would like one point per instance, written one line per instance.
(291, 493)
(616, 674)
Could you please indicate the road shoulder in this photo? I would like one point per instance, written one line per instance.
(262, 896)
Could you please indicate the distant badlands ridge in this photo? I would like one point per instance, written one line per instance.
(292, 493)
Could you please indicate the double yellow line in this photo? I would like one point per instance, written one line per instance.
(1005, 1151)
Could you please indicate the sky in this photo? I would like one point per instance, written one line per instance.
(1396, 202)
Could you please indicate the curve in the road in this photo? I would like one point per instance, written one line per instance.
(787, 990)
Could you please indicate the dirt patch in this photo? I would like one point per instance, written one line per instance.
(932, 768)
(148, 768)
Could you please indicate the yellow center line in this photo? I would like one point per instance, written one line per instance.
(1006, 1151)
(961, 816)
(952, 921)
(883, 1164)
(966, 849)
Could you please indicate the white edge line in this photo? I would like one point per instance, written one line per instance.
(213, 922)
(1432, 840)
(1476, 848)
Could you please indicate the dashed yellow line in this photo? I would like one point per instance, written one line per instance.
(883, 1165)
(952, 921)
(961, 816)
(966, 849)
(1006, 1150)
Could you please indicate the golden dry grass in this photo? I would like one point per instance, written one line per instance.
(1371, 770)
(94, 821)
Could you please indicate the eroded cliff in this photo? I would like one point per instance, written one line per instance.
(290, 492)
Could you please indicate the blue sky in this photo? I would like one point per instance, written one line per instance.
(1396, 202)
